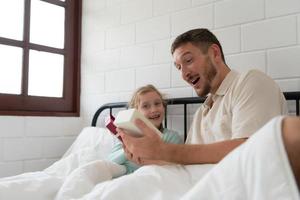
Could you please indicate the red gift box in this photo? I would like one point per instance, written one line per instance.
(109, 123)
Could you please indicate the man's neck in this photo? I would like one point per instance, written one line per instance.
(222, 72)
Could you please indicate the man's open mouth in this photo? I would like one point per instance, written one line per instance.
(195, 80)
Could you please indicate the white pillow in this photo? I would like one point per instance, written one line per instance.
(93, 143)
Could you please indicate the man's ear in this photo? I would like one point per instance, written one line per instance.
(215, 53)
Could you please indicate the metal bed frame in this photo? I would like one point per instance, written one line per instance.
(290, 96)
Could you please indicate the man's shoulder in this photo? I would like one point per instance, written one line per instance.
(247, 80)
(255, 83)
(253, 74)
(253, 79)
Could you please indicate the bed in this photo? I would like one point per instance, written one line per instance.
(148, 182)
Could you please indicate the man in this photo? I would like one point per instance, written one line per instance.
(237, 105)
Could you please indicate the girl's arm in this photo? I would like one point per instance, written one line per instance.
(117, 154)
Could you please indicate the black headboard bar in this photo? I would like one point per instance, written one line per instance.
(183, 101)
(293, 96)
(109, 106)
(185, 120)
(297, 107)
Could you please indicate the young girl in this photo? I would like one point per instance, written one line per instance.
(147, 100)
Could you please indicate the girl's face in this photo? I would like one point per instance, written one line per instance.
(151, 106)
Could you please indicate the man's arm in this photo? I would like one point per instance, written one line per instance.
(151, 147)
(198, 153)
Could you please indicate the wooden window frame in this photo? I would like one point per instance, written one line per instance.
(69, 104)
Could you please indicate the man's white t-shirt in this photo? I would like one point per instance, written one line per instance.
(242, 104)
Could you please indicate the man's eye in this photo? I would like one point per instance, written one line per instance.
(178, 67)
(188, 61)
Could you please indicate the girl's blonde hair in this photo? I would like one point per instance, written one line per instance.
(135, 100)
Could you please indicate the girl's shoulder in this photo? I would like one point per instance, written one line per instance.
(169, 131)
(171, 136)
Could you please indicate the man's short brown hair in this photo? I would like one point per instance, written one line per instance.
(201, 38)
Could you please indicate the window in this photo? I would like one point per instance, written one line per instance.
(40, 57)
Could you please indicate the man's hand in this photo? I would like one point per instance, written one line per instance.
(141, 149)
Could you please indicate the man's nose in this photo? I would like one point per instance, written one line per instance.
(185, 73)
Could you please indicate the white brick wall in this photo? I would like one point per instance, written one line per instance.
(125, 43)
(163, 7)
(135, 10)
(201, 2)
(117, 37)
(96, 39)
(289, 84)
(138, 55)
(36, 165)
(284, 62)
(298, 25)
(177, 92)
(279, 7)
(246, 61)
(12, 126)
(11, 168)
(55, 147)
(123, 80)
(107, 60)
(238, 12)
(192, 18)
(230, 38)
(93, 83)
(105, 17)
(22, 149)
(162, 51)
(23, 142)
(153, 29)
(269, 33)
(152, 75)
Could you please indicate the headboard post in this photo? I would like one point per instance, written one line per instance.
(297, 107)
(185, 119)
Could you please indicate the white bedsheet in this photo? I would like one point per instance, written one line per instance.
(149, 182)
(257, 170)
(92, 144)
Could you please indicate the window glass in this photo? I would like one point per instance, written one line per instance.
(11, 19)
(40, 57)
(45, 76)
(47, 24)
(10, 69)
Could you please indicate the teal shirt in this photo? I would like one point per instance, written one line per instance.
(117, 154)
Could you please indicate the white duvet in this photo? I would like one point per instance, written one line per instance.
(258, 169)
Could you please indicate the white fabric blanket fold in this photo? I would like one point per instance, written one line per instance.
(92, 144)
(259, 169)
(151, 182)
(83, 179)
